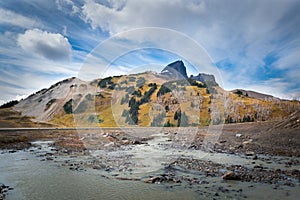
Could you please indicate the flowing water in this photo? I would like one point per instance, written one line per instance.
(33, 179)
(36, 180)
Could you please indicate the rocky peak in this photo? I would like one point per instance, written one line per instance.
(175, 70)
(208, 79)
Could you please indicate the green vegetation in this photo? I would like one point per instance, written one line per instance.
(179, 84)
(95, 119)
(133, 111)
(49, 103)
(146, 98)
(168, 124)
(177, 114)
(196, 83)
(9, 104)
(130, 90)
(104, 82)
(181, 118)
(125, 113)
(68, 107)
(125, 99)
(167, 108)
(137, 93)
(124, 82)
(140, 82)
(131, 79)
(112, 86)
(132, 117)
(248, 119)
(81, 107)
(163, 90)
(99, 95)
(239, 92)
(89, 97)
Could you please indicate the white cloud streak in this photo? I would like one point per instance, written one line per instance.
(11, 18)
(115, 18)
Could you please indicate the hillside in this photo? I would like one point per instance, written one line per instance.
(150, 99)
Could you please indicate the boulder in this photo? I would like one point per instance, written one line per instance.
(230, 175)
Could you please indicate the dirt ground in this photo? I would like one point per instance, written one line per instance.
(247, 138)
(260, 138)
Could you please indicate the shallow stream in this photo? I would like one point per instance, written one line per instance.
(33, 179)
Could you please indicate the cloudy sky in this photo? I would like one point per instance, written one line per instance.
(252, 44)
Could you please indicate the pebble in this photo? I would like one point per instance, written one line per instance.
(3, 190)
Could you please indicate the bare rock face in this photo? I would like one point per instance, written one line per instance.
(208, 79)
(231, 176)
(175, 70)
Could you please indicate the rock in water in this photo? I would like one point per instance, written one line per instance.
(231, 176)
(3, 190)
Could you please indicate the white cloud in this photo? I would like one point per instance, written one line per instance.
(12, 18)
(52, 46)
(240, 32)
(243, 32)
(67, 6)
(115, 18)
(288, 59)
(115, 71)
(136, 42)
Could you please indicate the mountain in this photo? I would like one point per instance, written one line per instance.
(208, 79)
(253, 94)
(46, 103)
(145, 99)
(175, 70)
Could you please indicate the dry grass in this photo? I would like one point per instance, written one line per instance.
(10, 118)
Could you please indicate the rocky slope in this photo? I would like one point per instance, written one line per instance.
(290, 122)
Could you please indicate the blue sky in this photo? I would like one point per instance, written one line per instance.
(252, 44)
